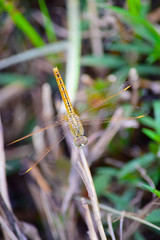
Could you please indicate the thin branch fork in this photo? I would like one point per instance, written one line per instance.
(12, 222)
(92, 194)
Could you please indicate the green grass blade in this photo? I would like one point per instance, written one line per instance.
(151, 189)
(108, 60)
(134, 6)
(148, 121)
(145, 8)
(154, 216)
(155, 55)
(152, 135)
(156, 106)
(138, 236)
(131, 166)
(141, 26)
(139, 47)
(21, 22)
(47, 21)
(146, 69)
(9, 78)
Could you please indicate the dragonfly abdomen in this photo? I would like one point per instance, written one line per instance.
(63, 91)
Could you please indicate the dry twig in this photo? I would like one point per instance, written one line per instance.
(109, 220)
(3, 181)
(92, 233)
(139, 218)
(109, 133)
(92, 194)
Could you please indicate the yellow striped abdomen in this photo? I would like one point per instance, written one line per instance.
(63, 91)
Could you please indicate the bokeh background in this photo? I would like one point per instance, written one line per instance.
(99, 48)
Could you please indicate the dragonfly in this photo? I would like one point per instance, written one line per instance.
(75, 122)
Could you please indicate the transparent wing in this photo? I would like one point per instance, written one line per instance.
(107, 94)
(29, 162)
(100, 113)
(105, 115)
(47, 126)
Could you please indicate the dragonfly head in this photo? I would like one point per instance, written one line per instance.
(80, 141)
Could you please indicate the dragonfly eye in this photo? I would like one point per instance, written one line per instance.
(81, 141)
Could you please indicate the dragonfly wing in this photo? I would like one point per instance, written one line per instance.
(45, 127)
(110, 93)
(28, 162)
(104, 116)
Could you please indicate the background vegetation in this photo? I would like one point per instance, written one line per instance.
(98, 46)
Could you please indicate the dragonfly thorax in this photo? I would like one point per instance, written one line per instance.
(81, 141)
(77, 130)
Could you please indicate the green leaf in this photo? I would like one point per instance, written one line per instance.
(110, 61)
(21, 22)
(141, 26)
(151, 134)
(143, 161)
(138, 236)
(154, 216)
(134, 7)
(102, 179)
(154, 174)
(145, 7)
(136, 46)
(142, 70)
(156, 107)
(107, 171)
(117, 200)
(13, 166)
(146, 69)
(130, 179)
(47, 21)
(152, 190)
(148, 121)
(100, 183)
(153, 147)
(120, 202)
(155, 55)
(8, 78)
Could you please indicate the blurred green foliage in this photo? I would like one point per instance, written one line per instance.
(48, 25)
(21, 22)
(153, 130)
(144, 30)
(8, 78)
(154, 216)
(128, 174)
(138, 236)
(142, 51)
(144, 42)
